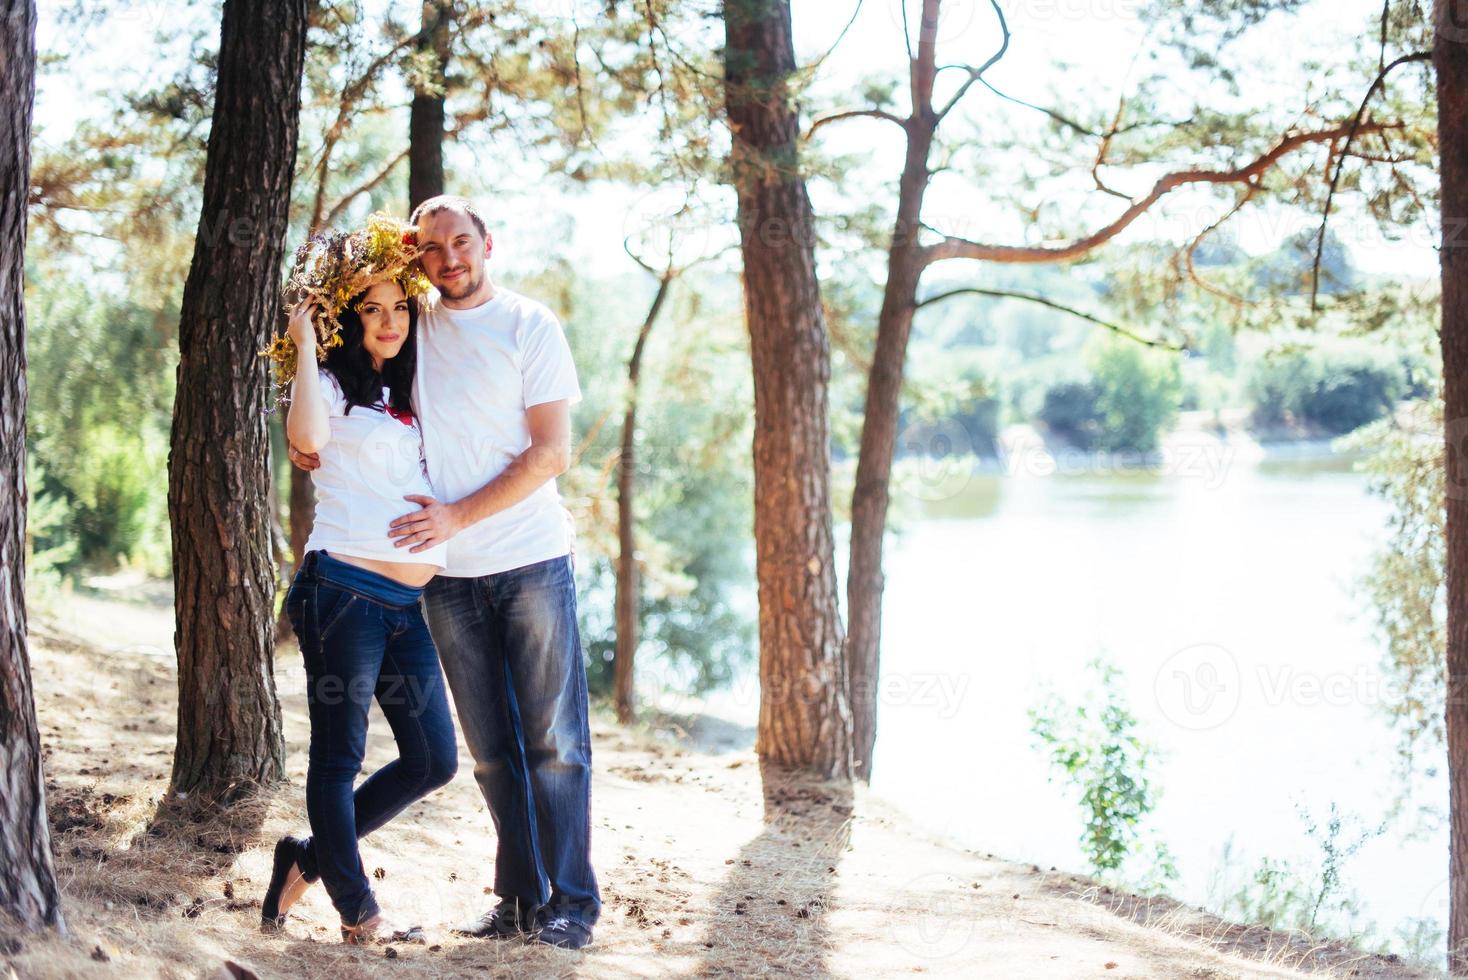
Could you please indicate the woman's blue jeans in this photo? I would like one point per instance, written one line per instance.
(363, 636)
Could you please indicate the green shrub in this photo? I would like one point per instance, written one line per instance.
(1139, 391)
(50, 544)
(1133, 395)
(1070, 412)
(1096, 745)
(100, 371)
(1332, 389)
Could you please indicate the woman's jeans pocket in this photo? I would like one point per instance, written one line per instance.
(314, 608)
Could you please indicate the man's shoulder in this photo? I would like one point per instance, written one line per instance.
(526, 308)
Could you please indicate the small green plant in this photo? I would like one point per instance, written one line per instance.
(1334, 855)
(1418, 940)
(1297, 895)
(1098, 748)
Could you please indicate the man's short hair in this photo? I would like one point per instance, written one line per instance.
(451, 202)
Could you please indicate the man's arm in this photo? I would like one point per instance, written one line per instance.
(548, 456)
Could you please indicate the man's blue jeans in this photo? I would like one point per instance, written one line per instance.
(511, 650)
(362, 636)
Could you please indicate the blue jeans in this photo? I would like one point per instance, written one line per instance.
(511, 650)
(363, 635)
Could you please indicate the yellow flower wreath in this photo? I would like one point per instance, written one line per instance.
(331, 269)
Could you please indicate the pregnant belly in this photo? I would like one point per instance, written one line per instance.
(409, 573)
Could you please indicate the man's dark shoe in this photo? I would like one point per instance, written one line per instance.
(563, 932)
(507, 920)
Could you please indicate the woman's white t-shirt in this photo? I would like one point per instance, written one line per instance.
(373, 459)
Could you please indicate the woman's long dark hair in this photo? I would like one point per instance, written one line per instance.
(351, 364)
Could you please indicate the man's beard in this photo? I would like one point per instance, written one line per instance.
(470, 285)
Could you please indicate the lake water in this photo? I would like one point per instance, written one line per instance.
(1226, 595)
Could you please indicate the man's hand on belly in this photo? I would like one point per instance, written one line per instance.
(433, 524)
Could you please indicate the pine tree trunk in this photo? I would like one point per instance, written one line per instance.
(1450, 59)
(804, 719)
(629, 589)
(229, 735)
(426, 114)
(28, 890)
(870, 496)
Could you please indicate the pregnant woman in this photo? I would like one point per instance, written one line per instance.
(354, 601)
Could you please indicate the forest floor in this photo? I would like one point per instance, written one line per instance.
(707, 868)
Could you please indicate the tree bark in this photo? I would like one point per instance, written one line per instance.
(229, 734)
(629, 590)
(870, 496)
(28, 889)
(426, 114)
(1450, 60)
(804, 719)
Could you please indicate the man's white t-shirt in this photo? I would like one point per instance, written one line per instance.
(478, 371)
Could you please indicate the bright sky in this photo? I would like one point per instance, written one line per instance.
(1098, 41)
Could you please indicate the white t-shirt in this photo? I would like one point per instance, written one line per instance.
(478, 371)
(372, 460)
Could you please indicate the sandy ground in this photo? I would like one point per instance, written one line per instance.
(707, 866)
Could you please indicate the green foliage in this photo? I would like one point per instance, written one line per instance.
(694, 502)
(1331, 389)
(1406, 584)
(1095, 744)
(1132, 396)
(951, 406)
(50, 544)
(100, 370)
(1070, 412)
(1138, 393)
(1299, 894)
(118, 493)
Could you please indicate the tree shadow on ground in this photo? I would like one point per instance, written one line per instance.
(770, 912)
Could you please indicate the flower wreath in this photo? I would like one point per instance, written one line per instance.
(331, 269)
